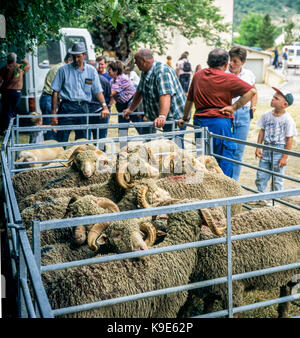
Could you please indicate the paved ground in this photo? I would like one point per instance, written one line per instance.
(292, 85)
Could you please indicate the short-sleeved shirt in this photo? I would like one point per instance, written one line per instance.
(50, 77)
(179, 67)
(123, 87)
(106, 89)
(212, 89)
(74, 84)
(247, 76)
(12, 76)
(277, 128)
(161, 80)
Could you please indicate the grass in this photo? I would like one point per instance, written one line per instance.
(248, 178)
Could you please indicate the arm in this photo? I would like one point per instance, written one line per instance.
(54, 120)
(254, 101)
(164, 107)
(260, 138)
(284, 157)
(229, 110)
(186, 113)
(27, 65)
(137, 99)
(101, 99)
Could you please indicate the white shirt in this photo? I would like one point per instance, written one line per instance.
(277, 128)
(247, 76)
(135, 79)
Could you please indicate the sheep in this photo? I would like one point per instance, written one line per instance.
(36, 155)
(249, 255)
(119, 278)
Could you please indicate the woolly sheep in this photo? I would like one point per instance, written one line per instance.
(120, 278)
(250, 255)
(36, 155)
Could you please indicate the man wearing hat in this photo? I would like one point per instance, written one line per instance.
(277, 130)
(76, 82)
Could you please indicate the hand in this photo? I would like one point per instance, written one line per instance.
(282, 162)
(54, 120)
(105, 112)
(180, 123)
(159, 122)
(258, 153)
(126, 113)
(228, 110)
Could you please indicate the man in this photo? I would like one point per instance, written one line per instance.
(102, 65)
(11, 84)
(212, 91)
(76, 82)
(284, 62)
(46, 97)
(159, 89)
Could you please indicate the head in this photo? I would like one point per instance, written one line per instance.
(198, 67)
(218, 58)
(184, 55)
(144, 59)
(102, 64)
(169, 57)
(238, 56)
(281, 100)
(115, 68)
(127, 70)
(36, 119)
(11, 58)
(78, 52)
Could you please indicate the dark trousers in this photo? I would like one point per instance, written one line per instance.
(46, 106)
(184, 80)
(70, 107)
(10, 98)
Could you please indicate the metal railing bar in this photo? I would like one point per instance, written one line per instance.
(27, 298)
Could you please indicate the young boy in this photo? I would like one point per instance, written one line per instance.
(37, 136)
(277, 130)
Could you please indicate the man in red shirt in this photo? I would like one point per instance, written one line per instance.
(11, 84)
(212, 91)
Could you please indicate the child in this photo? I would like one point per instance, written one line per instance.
(277, 130)
(169, 61)
(37, 136)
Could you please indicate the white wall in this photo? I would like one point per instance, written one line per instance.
(198, 50)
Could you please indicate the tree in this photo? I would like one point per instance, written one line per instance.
(123, 25)
(249, 30)
(28, 21)
(289, 36)
(266, 33)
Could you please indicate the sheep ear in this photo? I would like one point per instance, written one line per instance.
(102, 239)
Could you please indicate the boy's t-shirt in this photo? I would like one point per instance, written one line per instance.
(277, 128)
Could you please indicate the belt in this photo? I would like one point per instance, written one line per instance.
(199, 110)
(74, 102)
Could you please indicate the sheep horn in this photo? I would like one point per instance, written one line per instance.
(150, 231)
(121, 177)
(141, 197)
(217, 168)
(97, 228)
(78, 150)
(208, 219)
(168, 162)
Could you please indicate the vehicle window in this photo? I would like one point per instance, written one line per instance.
(49, 54)
(70, 40)
(291, 52)
(298, 52)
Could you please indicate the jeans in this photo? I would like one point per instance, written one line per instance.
(184, 80)
(46, 106)
(10, 98)
(68, 107)
(265, 162)
(220, 126)
(241, 125)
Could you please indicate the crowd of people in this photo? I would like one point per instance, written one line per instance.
(224, 96)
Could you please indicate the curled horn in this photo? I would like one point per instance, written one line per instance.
(141, 197)
(208, 219)
(97, 228)
(168, 162)
(150, 231)
(123, 178)
(207, 160)
(78, 150)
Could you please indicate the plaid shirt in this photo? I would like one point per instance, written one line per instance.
(161, 80)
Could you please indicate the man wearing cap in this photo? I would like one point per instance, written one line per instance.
(277, 130)
(76, 82)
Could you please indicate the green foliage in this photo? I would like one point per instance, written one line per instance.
(122, 25)
(289, 37)
(28, 21)
(266, 33)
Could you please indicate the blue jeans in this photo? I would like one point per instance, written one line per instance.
(265, 162)
(241, 125)
(68, 107)
(46, 105)
(220, 126)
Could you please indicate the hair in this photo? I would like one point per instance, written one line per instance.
(198, 67)
(35, 120)
(11, 57)
(218, 57)
(116, 66)
(145, 53)
(127, 69)
(100, 58)
(67, 57)
(184, 55)
(239, 52)
(169, 57)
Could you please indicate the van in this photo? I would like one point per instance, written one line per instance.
(43, 58)
(293, 55)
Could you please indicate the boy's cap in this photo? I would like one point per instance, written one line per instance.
(288, 96)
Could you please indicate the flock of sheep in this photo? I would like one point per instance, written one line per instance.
(145, 175)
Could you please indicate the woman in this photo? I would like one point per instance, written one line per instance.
(184, 72)
(241, 122)
(122, 91)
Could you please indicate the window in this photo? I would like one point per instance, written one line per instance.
(49, 54)
(298, 52)
(291, 52)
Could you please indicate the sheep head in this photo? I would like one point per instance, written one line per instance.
(87, 159)
(24, 157)
(128, 236)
